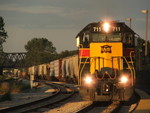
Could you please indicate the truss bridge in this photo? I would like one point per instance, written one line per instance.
(12, 60)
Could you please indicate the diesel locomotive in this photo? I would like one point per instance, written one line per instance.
(106, 61)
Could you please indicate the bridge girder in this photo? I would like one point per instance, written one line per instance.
(13, 60)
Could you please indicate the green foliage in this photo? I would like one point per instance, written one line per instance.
(1, 77)
(24, 87)
(141, 45)
(39, 50)
(10, 86)
(67, 53)
(142, 61)
(5, 77)
(3, 33)
(6, 96)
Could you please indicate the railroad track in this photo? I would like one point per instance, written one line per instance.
(62, 93)
(100, 107)
(112, 107)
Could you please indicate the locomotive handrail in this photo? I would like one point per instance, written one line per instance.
(80, 64)
(82, 69)
(81, 55)
(99, 61)
(99, 68)
(84, 66)
(133, 66)
(112, 78)
(107, 73)
(132, 70)
(118, 61)
(133, 73)
(129, 68)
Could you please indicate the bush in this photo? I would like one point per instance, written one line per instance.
(24, 87)
(10, 86)
(1, 77)
(4, 87)
(6, 96)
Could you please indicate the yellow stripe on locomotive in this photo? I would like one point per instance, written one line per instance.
(106, 61)
(102, 55)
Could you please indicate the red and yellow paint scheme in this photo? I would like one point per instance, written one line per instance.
(106, 61)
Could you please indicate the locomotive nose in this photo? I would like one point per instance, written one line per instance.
(106, 88)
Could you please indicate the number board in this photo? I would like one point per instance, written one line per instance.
(101, 29)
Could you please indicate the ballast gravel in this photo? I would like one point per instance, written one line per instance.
(71, 107)
(32, 95)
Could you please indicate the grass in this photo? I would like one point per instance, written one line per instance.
(9, 86)
(6, 96)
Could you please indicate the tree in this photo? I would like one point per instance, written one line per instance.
(141, 60)
(3, 34)
(67, 53)
(40, 50)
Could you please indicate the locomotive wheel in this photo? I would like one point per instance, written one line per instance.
(92, 95)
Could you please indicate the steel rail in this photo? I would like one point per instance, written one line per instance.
(114, 107)
(63, 96)
(33, 106)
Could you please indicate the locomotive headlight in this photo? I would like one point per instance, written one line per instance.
(123, 79)
(106, 27)
(88, 80)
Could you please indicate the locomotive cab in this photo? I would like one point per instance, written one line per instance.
(106, 61)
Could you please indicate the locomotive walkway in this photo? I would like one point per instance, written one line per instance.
(144, 104)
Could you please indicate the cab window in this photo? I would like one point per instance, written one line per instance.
(97, 37)
(128, 39)
(84, 40)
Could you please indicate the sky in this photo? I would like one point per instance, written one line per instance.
(61, 20)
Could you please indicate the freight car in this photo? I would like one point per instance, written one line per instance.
(104, 67)
(106, 61)
(64, 69)
(70, 69)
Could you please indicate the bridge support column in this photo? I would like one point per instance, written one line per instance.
(1, 71)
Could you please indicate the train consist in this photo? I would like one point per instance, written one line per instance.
(104, 67)
(106, 61)
(65, 69)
